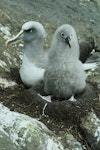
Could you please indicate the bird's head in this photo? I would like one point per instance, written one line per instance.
(30, 31)
(66, 35)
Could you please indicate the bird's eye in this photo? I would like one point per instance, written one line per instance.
(71, 36)
(62, 34)
(30, 30)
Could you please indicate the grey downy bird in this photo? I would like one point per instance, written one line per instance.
(34, 57)
(64, 74)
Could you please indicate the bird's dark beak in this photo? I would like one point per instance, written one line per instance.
(18, 37)
(67, 40)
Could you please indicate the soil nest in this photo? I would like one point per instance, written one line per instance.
(28, 101)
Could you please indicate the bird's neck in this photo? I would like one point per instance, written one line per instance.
(73, 53)
(33, 50)
(65, 53)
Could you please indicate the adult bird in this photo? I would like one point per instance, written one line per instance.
(34, 57)
(64, 73)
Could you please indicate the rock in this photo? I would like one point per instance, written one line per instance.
(5, 142)
(91, 128)
(18, 131)
(72, 143)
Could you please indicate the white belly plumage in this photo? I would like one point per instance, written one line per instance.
(31, 74)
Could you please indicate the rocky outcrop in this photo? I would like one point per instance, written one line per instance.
(18, 131)
(91, 128)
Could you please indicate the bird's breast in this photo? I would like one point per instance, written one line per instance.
(31, 74)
